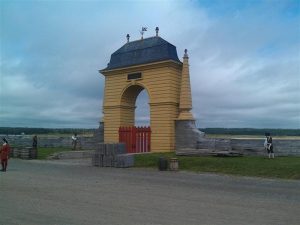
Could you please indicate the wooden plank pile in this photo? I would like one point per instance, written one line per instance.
(210, 147)
(24, 153)
(112, 155)
(207, 152)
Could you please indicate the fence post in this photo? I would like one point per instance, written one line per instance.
(149, 139)
(133, 138)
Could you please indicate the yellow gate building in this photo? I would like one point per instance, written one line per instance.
(151, 64)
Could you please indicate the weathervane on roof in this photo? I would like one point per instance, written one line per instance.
(142, 31)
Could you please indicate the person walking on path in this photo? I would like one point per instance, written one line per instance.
(269, 145)
(4, 153)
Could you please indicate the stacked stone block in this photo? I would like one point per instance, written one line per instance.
(124, 160)
(112, 155)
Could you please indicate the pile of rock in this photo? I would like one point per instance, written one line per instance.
(112, 155)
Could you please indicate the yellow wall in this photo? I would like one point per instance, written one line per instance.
(162, 82)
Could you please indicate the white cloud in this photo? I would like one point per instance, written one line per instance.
(244, 60)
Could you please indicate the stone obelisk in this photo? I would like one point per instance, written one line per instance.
(185, 104)
(187, 134)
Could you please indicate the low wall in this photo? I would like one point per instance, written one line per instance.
(87, 143)
(254, 147)
(281, 147)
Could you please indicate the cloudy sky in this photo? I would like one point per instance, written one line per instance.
(244, 58)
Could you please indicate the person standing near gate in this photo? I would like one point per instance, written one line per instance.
(34, 142)
(269, 145)
(4, 152)
(74, 141)
(34, 147)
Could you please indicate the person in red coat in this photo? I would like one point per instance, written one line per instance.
(4, 153)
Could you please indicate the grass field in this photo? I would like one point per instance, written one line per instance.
(231, 136)
(255, 166)
(280, 167)
(43, 153)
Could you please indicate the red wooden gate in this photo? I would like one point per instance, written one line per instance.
(137, 139)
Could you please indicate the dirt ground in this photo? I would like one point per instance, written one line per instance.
(75, 193)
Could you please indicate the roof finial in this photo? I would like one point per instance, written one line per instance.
(156, 29)
(185, 54)
(127, 36)
(143, 31)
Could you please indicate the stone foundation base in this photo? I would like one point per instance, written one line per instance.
(187, 134)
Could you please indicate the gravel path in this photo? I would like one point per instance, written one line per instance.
(74, 193)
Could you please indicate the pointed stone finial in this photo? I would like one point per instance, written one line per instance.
(156, 30)
(185, 53)
(127, 36)
(143, 31)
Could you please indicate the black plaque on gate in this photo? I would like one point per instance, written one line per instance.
(134, 76)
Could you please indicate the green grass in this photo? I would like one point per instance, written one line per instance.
(280, 167)
(43, 153)
(254, 166)
(233, 136)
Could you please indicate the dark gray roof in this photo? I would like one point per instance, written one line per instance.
(148, 50)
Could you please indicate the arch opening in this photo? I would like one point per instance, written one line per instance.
(142, 110)
(132, 131)
(135, 109)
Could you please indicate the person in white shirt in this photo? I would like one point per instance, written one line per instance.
(74, 141)
(268, 144)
